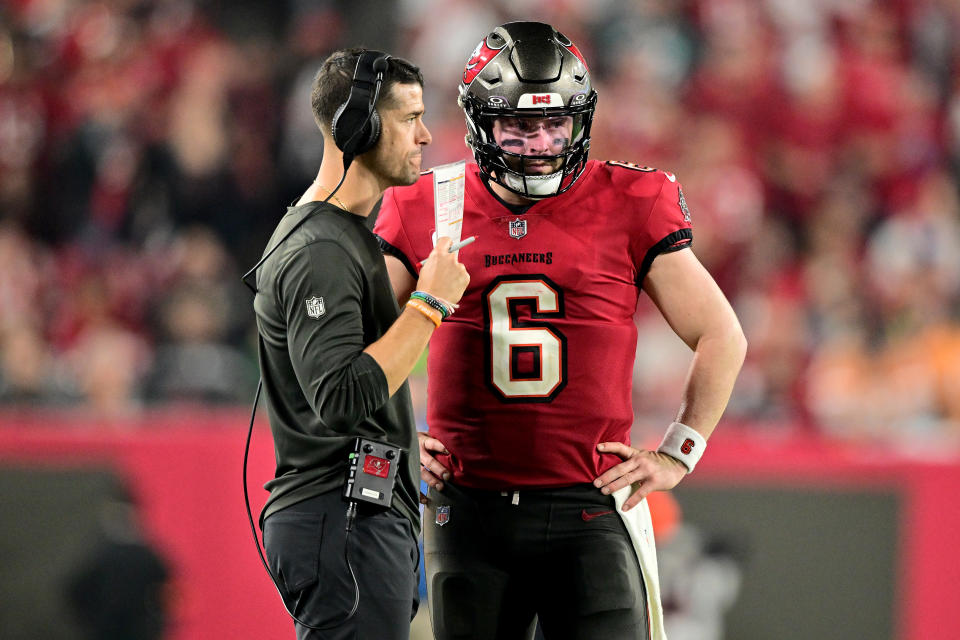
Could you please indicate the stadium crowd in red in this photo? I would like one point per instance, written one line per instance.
(147, 148)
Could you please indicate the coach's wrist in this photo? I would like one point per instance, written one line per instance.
(684, 444)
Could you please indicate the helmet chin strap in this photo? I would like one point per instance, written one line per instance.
(536, 186)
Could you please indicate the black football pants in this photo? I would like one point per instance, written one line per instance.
(498, 562)
(305, 544)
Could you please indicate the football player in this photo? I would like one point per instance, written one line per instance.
(536, 502)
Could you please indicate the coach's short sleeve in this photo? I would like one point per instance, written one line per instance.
(667, 227)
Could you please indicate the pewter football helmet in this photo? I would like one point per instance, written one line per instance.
(527, 69)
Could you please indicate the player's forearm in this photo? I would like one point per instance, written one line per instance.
(716, 363)
(398, 351)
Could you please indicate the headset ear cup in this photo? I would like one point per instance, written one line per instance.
(341, 129)
(374, 135)
(346, 123)
(356, 123)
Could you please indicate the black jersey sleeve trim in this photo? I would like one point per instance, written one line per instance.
(390, 250)
(674, 242)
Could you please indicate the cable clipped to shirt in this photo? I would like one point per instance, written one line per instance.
(351, 509)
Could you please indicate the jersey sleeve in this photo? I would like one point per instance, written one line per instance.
(667, 227)
(392, 235)
(320, 291)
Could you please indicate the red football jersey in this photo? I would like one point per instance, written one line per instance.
(535, 368)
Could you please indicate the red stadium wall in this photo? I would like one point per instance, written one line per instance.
(185, 469)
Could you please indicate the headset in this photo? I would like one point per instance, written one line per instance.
(355, 129)
(356, 124)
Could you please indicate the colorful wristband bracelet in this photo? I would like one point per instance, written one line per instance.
(434, 316)
(445, 308)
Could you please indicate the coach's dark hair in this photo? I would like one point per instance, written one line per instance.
(331, 85)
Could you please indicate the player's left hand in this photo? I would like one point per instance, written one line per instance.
(431, 470)
(646, 471)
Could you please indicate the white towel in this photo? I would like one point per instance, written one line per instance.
(640, 527)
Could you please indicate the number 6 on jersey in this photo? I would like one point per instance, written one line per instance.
(526, 359)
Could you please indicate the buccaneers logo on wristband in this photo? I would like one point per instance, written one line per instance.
(687, 445)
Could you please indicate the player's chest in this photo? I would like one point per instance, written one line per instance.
(571, 254)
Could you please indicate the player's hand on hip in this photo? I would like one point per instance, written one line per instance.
(431, 470)
(646, 471)
(442, 275)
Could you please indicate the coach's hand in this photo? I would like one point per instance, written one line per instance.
(431, 471)
(442, 275)
(646, 471)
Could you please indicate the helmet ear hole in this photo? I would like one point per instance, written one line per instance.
(495, 41)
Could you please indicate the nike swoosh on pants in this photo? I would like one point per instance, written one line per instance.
(587, 517)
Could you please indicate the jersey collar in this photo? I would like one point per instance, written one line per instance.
(536, 206)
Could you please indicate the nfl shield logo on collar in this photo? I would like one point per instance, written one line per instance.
(315, 307)
(518, 228)
(443, 515)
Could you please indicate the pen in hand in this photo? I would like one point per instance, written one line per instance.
(456, 246)
(460, 245)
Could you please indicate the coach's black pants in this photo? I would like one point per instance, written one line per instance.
(499, 562)
(305, 545)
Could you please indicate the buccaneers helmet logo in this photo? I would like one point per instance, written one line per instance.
(478, 60)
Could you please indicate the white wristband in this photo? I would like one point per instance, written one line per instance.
(684, 444)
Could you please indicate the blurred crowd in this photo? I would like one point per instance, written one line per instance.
(148, 147)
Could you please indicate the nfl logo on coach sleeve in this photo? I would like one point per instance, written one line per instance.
(315, 307)
(518, 228)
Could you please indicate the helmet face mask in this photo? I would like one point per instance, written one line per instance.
(525, 79)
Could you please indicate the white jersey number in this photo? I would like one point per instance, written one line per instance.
(526, 358)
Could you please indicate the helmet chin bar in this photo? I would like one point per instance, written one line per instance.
(536, 186)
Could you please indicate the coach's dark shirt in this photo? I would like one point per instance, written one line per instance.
(323, 296)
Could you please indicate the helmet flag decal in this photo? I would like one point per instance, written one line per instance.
(572, 48)
(478, 60)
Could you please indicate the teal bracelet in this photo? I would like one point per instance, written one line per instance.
(433, 302)
(447, 307)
